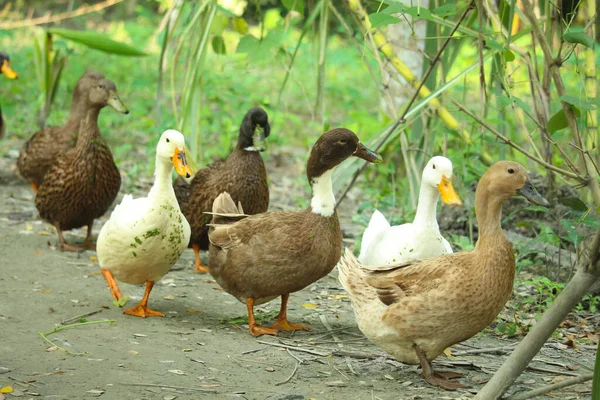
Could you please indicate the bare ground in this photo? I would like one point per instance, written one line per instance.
(193, 353)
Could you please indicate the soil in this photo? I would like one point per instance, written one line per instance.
(198, 350)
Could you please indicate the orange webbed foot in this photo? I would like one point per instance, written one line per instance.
(143, 312)
(200, 268)
(437, 379)
(256, 330)
(285, 325)
(34, 187)
(70, 247)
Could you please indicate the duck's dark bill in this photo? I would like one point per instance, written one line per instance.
(115, 102)
(530, 193)
(367, 154)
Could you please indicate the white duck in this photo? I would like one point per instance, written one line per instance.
(144, 237)
(383, 244)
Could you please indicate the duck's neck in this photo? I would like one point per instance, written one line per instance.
(88, 129)
(489, 212)
(163, 186)
(426, 209)
(323, 200)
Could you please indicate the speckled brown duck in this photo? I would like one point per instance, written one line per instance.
(6, 69)
(414, 311)
(273, 254)
(242, 175)
(40, 151)
(83, 181)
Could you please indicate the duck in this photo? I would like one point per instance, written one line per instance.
(39, 153)
(383, 244)
(242, 174)
(415, 310)
(144, 237)
(82, 182)
(272, 254)
(6, 69)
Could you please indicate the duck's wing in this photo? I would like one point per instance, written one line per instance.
(377, 224)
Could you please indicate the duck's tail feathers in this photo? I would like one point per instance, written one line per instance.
(377, 224)
(354, 280)
(224, 210)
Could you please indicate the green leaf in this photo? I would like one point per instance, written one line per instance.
(559, 121)
(576, 101)
(98, 41)
(295, 5)
(382, 19)
(240, 25)
(509, 56)
(122, 302)
(218, 45)
(446, 10)
(579, 38)
(538, 209)
(573, 203)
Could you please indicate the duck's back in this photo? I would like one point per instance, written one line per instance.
(270, 254)
(242, 175)
(41, 151)
(79, 187)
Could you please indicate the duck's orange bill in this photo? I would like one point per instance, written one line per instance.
(7, 70)
(447, 192)
(180, 163)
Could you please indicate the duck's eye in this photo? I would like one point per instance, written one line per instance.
(342, 142)
(511, 171)
(168, 141)
(433, 166)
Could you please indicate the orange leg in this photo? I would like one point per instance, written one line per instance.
(200, 268)
(282, 324)
(63, 243)
(437, 378)
(112, 284)
(142, 310)
(256, 330)
(34, 186)
(89, 242)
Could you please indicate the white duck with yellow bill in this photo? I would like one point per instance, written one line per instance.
(144, 237)
(383, 244)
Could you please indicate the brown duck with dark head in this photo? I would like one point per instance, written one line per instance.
(82, 182)
(40, 151)
(273, 254)
(242, 175)
(10, 73)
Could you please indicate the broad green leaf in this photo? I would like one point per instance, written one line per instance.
(382, 19)
(446, 10)
(559, 121)
(247, 44)
(98, 41)
(240, 25)
(576, 101)
(509, 56)
(538, 209)
(295, 5)
(573, 203)
(218, 45)
(419, 12)
(579, 38)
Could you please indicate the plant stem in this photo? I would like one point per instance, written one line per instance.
(58, 328)
(554, 386)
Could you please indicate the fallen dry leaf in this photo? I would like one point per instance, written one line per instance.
(169, 297)
(177, 372)
(311, 306)
(133, 352)
(29, 228)
(192, 309)
(448, 352)
(37, 253)
(44, 233)
(6, 389)
(93, 258)
(573, 367)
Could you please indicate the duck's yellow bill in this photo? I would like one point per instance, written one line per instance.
(447, 192)
(180, 163)
(7, 70)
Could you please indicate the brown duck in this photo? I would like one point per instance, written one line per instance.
(83, 181)
(10, 73)
(414, 311)
(273, 254)
(40, 151)
(242, 175)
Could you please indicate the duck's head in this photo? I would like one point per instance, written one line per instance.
(171, 148)
(506, 179)
(102, 92)
(438, 173)
(254, 129)
(5, 67)
(332, 148)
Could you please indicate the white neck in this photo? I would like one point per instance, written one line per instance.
(252, 148)
(163, 186)
(323, 200)
(428, 197)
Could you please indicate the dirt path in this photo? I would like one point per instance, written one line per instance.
(192, 347)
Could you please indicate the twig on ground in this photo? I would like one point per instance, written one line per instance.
(483, 351)
(253, 350)
(289, 377)
(362, 356)
(285, 346)
(554, 386)
(323, 319)
(300, 361)
(340, 372)
(64, 322)
(551, 371)
(169, 387)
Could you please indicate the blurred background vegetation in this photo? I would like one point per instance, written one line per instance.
(489, 92)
